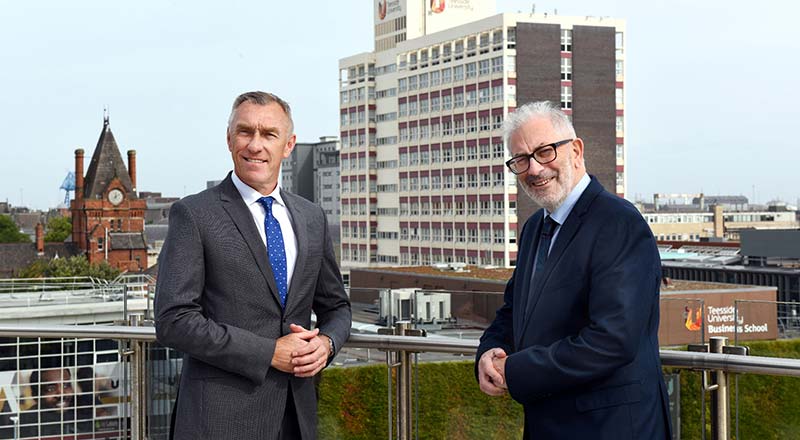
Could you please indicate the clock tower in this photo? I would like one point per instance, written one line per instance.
(107, 214)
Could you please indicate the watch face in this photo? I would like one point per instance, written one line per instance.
(115, 196)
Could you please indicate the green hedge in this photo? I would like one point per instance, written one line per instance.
(353, 403)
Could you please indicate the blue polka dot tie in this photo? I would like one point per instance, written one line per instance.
(275, 248)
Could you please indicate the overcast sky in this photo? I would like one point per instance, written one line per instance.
(711, 86)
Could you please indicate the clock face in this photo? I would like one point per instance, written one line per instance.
(115, 196)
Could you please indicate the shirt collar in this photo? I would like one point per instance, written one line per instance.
(250, 195)
(562, 212)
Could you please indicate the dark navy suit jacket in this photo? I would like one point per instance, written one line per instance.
(583, 361)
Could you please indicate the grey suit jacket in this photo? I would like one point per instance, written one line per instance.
(216, 301)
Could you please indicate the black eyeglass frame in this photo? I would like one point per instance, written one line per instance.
(530, 156)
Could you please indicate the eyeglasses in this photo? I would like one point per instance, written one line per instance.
(544, 154)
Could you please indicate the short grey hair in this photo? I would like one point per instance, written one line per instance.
(534, 110)
(262, 98)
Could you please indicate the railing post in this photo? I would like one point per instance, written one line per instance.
(719, 396)
(138, 355)
(404, 414)
(403, 402)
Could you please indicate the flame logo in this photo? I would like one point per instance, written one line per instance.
(437, 6)
(382, 5)
(697, 323)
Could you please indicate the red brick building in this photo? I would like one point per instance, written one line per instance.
(107, 214)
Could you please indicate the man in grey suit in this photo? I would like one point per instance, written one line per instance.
(243, 266)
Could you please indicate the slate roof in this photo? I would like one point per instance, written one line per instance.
(17, 256)
(127, 240)
(106, 164)
(155, 232)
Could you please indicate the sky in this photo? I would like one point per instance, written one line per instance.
(711, 87)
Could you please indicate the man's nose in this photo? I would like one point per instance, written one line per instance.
(534, 167)
(256, 142)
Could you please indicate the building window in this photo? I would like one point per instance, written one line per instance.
(423, 80)
(484, 67)
(566, 69)
(497, 93)
(620, 97)
(472, 181)
(497, 64)
(447, 129)
(497, 122)
(447, 75)
(484, 95)
(458, 100)
(485, 125)
(458, 73)
(472, 70)
(472, 125)
(447, 102)
(448, 183)
(458, 127)
(620, 66)
(498, 150)
(566, 97)
(620, 124)
(566, 40)
(447, 155)
(472, 97)
(620, 152)
(435, 102)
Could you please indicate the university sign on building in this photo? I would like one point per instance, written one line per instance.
(692, 316)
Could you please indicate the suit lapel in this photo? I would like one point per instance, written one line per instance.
(240, 214)
(566, 234)
(525, 262)
(301, 233)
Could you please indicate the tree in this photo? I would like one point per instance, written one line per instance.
(58, 229)
(9, 231)
(77, 266)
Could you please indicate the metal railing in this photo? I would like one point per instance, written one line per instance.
(134, 339)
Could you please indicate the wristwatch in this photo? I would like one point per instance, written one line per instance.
(332, 347)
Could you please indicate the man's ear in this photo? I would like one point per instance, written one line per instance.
(577, 150)
(287, 151)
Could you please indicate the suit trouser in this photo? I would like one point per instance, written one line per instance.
(290, 427)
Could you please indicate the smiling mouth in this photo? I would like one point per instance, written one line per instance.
(540, 183)
(254, 160)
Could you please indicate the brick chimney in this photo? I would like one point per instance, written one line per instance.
(78, 175)
(39, 239)
(132, 169)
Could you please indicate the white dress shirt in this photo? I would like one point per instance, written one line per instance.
(279, 211)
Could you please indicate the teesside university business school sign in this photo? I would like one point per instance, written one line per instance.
(685, 313)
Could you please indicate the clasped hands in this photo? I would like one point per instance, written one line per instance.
(492, 372)
(302, 352)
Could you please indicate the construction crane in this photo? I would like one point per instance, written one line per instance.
(68, 185)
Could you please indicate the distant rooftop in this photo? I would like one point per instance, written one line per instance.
(503, 274)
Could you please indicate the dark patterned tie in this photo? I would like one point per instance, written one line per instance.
(275, 248)
(544, 245)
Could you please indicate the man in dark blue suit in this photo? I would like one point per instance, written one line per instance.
(575, 341)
